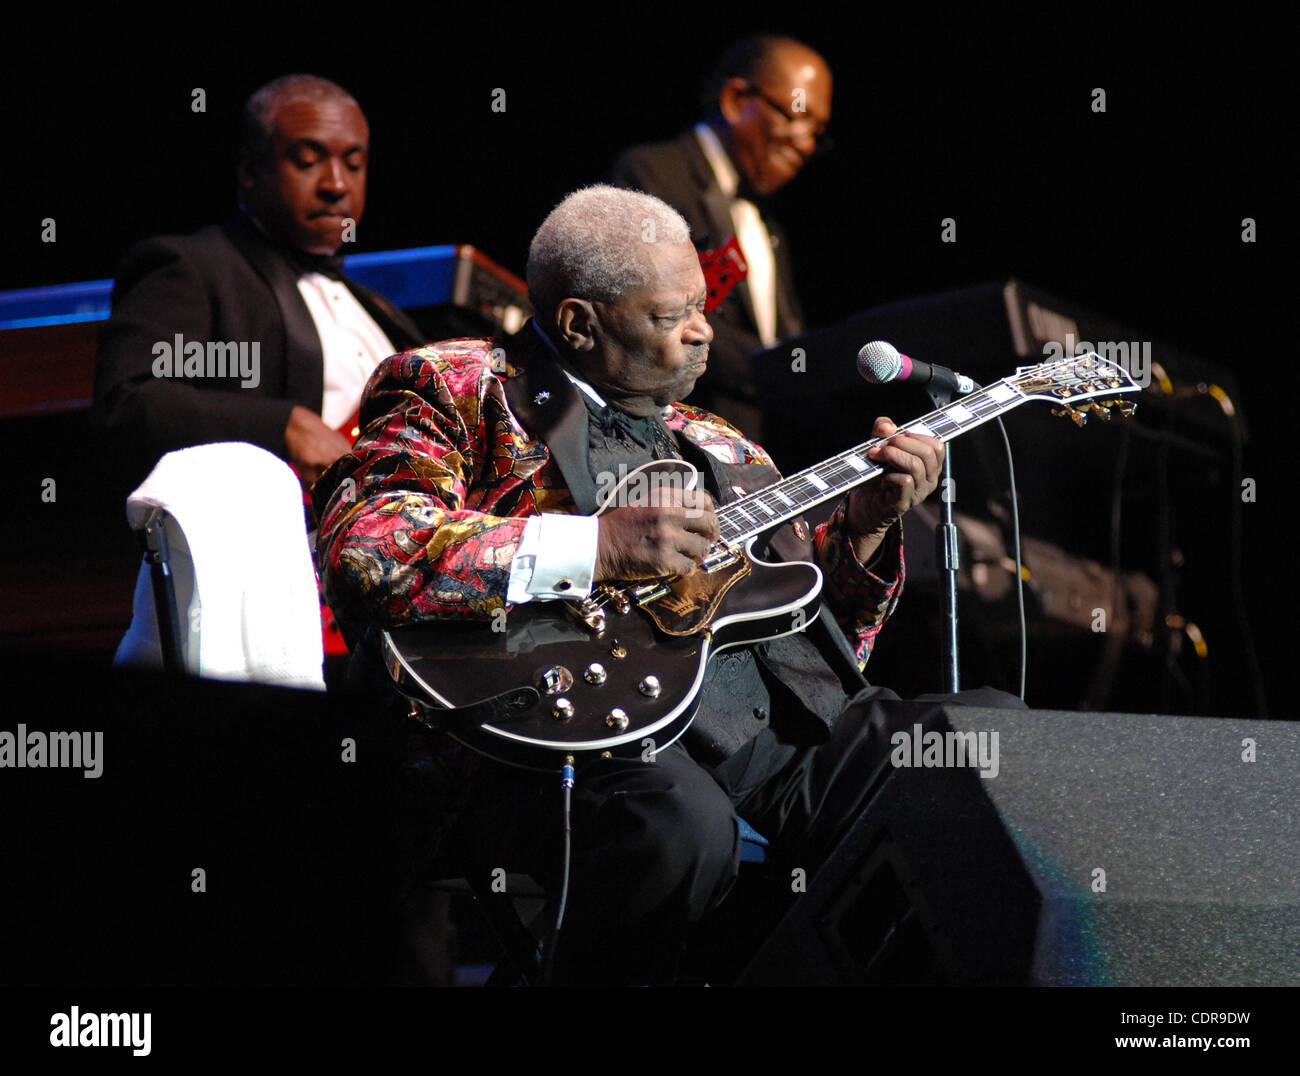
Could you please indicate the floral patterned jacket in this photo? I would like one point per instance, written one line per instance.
(461, 442)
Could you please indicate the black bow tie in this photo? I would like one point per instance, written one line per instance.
(648, 432)
(330, 265)
(621, 425)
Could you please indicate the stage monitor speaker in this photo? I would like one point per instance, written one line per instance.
(1103, 849)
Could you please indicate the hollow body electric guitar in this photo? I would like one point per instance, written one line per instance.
(621, 671)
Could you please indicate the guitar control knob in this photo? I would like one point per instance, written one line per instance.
(554, 679)
(595, 673)
(562, 710)
(617, 719)
(649, 687)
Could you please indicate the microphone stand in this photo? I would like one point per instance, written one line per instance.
(946, 558)
(880, 362)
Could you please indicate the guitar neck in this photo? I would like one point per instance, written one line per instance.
(760, 512)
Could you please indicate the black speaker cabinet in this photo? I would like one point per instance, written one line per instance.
(1102, 849)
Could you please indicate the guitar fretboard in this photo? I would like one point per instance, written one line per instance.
(759, 512)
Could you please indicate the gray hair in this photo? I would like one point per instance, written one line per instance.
(591, 245)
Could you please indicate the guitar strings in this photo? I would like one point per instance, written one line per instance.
(831, 478)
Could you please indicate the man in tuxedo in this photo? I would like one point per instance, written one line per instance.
(766, 108)
(475, 495)
(248, 331)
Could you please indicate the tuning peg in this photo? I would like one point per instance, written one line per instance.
(1079, 417)
(1126, 407)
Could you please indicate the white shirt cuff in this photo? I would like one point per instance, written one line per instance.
(556, 558)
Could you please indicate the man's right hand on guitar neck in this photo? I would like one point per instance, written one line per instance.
(648, 542)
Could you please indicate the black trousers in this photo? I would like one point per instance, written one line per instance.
(655, 845)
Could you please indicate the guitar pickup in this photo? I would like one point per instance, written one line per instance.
(649, 593)
(719, 558)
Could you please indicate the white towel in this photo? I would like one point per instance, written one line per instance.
(256, 613)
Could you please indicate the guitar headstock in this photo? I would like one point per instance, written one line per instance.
(1078, 385)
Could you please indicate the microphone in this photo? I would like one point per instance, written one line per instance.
(879, 363)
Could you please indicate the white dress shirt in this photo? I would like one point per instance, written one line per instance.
(751, 233)
(352, 345)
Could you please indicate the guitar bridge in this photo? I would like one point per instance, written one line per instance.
(618, 598)
(589, 614)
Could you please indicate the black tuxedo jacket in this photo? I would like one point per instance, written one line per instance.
(680, 174)
(225, 283)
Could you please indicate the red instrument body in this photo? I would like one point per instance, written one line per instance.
(331, 637)
(724, 268)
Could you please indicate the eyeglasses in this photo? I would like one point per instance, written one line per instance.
(794, 122)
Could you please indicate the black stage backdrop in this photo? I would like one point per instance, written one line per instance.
(1135, 213)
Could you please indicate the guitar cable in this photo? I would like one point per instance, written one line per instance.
(1020, 572)
(553, 939)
